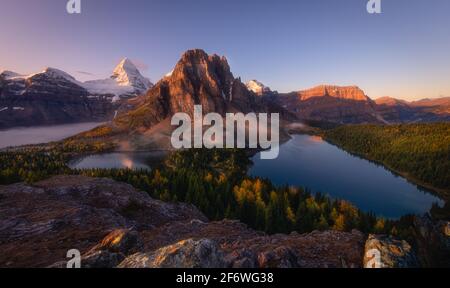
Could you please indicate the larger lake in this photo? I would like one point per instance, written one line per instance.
(310, 162)
(42, 134)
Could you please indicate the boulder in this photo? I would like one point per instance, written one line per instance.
(113, 249)
(189, 253)
(433, 241)
(386, 252)
(280, 257)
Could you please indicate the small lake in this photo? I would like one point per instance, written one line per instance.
(42, 134)
(130, 160)
(310, 162)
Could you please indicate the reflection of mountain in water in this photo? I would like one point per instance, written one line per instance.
(119, 160)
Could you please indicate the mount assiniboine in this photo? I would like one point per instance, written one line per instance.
(126, 81)
(55, 97)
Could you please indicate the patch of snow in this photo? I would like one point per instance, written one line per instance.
(169, 74)
(56, 73)
(107, 86)
(18, 108)
(3, 109)
(115, 99)
(10, 75)
(257, 87)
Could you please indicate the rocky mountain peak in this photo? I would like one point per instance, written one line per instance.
(197, 65)
(127, 74)
(198, 79)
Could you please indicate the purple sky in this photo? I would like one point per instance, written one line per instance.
(288, 45)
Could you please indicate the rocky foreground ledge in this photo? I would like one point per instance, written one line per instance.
(114, 225)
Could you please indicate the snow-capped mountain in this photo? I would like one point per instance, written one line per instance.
(9, 74)
(49, 97)
(127, 74)
(46, 81)
(53, 96)
(257, 87)
(126, 81)
(48, 72)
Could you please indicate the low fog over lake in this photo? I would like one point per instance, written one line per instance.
(42, 134)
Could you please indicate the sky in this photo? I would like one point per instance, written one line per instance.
(289, 45)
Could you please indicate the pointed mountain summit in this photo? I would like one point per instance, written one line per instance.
(125, 82)
(127, 74)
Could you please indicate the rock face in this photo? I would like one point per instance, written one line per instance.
(112, 224)
(198, 79)
(385, 252)
(346, 93)
(350, 105)
(331, 104)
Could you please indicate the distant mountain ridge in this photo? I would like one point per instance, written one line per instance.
(330, 103)
(52, 96)
(350, 105)
(425, 110)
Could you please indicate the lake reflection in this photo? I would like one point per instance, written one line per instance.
(131, 160)
(309, 161)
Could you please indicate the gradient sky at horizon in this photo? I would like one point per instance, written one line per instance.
(286, 44)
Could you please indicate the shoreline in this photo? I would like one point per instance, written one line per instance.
(441, 193)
